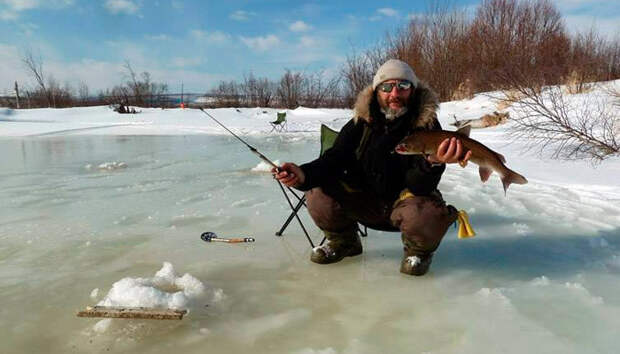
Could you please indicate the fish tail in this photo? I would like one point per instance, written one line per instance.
(512, 177)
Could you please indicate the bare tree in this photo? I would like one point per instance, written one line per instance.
(546, 121)
(289, 90)
(35, 66)
(227, 94)
(319, 90)
(83, 93)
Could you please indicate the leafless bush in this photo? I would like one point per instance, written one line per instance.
(143, 91)
(442, 48)
(257, 92)
(138, 90)
(83, 94)
(576, 83)
(547, 122)
(504, 38)
(359, 70)
(465, 90)
(506, 98)
(227, 94)
(289, 90)
(508, 36)
(47, 91)
(318, 89)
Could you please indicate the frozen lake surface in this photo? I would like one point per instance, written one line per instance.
(542, 275)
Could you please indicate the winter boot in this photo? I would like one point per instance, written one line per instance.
(416, 265)
(338, 246)
(416, 261)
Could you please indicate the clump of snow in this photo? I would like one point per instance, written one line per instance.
(108, 166)
(165, 290)
(521, 229)
(264, 167)
(414, 260)
(112, 165)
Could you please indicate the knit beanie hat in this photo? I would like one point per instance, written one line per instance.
(394, 69)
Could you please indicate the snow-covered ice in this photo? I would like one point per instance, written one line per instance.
(94, 202)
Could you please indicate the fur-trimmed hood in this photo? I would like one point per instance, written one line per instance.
(423, 100)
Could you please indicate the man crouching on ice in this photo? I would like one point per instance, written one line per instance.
(361, 179)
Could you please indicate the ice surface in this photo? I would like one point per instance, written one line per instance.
(542, 275)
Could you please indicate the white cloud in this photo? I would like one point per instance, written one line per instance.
(183, 62)
(158, 37)
(14, 7)
(121, 6)
(261, 43)
(212, 37)
(241, 15)
(387, 11)
(20, 5)
(309, 42)
(299, 26)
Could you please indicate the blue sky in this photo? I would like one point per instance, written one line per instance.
(200, 43)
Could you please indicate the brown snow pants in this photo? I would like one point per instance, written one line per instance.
(422, 220)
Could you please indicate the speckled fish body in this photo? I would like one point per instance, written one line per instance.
(427, 142)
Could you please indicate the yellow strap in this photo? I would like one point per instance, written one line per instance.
(465, 229)
(404, 194)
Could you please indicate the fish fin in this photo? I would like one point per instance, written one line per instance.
(485, 173)
(501, 157)
(512, 177)
(465, 130)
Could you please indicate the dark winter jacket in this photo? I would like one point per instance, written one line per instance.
(379, 170)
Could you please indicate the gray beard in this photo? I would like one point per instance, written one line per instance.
(391, 114)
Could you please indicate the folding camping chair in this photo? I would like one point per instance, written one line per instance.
(328, 137)
(280, 123)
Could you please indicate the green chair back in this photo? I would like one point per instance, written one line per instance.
(328, 137)
(281, 117)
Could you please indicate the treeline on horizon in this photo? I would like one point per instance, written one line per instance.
(505, 43)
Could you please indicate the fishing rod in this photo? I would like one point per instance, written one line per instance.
(252, 149)
(264, 158)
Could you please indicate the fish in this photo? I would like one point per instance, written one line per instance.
(487, 120)
(489, 161)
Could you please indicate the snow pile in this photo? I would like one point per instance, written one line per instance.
(164, 290)
(108, 166)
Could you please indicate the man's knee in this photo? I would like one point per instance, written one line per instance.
(424, 221)
(326, 211)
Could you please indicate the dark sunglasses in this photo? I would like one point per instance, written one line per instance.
(400, 86)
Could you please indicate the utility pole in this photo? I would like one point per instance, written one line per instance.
(182, 101)
(16, 95)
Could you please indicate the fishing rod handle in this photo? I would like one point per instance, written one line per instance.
(241, 239)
